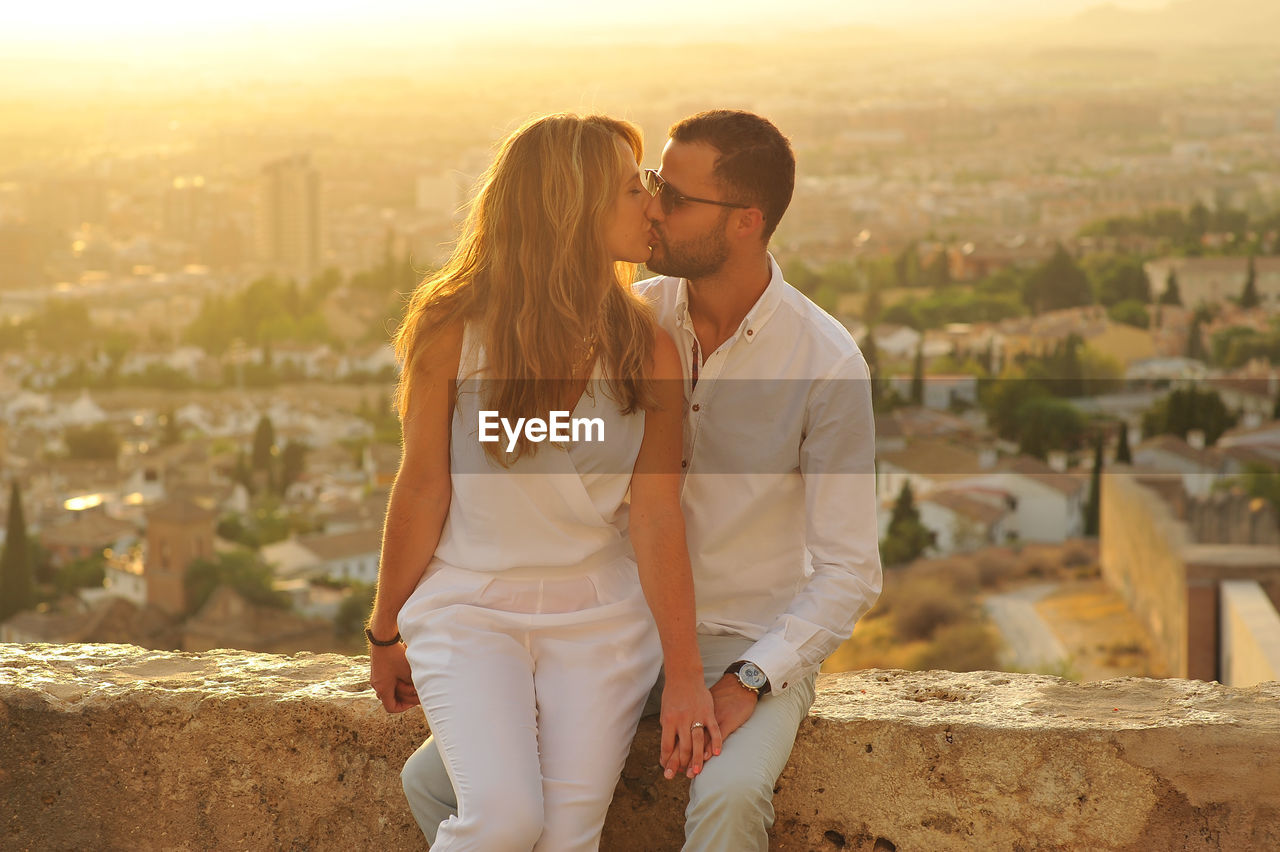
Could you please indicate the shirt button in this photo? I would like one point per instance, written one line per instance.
(750, 332)
(684, 462)
(697, 406)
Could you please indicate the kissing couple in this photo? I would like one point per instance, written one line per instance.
(708, 537)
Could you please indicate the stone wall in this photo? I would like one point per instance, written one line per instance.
(114, 747)
(1140, 544)
(1250, 634)
(1233, 518)
(1170, 580)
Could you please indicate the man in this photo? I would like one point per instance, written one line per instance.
(779, 492)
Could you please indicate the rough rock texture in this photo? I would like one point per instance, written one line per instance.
(114, 747)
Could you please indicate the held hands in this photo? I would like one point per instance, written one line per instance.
(390, 677)
(734, 703)
(685, 744)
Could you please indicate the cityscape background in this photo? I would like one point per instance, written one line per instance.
(1056, 237)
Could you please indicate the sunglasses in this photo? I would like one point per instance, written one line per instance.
(670, 198)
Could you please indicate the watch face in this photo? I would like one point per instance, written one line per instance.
(752, 676)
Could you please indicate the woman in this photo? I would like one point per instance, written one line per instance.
(504, 563)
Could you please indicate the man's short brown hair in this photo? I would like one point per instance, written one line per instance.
(756, 164)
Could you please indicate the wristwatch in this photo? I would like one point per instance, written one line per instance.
(750, 676)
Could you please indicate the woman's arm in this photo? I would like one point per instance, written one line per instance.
(657, 533)
(416, 510)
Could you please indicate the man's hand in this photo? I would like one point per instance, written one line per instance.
(390, 677)
(734, 704)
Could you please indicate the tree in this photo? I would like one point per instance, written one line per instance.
(88, 572)
(907, 538)
(1130, 312)
(242, 570)
(1171, 296)
(1249, 297)
(1122, 280)
(906, 267)
(937, 272)
(1057, 283)
(989, 356)
(1260, 480)
(354, 610)
(243, 473)
(1186, 409)
(873, 307)
(1195, 341)
(1123, 454)
(1047, 423)
(264, 442)
(292, 464)
(1093, 504)
(1003, 397)
(1275, 412)
(17, 583)
(917, 375)
(803, 277)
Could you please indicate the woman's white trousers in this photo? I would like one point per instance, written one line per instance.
(533, 682)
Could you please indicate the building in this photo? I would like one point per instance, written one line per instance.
(351, 555)
(289, 237)
(185, 214)
(965, 519)
(87, 534)
(178, 533)
(1190, 594)
(1215, 280)
(227, 620)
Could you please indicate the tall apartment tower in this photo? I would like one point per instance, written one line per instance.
(289, 217)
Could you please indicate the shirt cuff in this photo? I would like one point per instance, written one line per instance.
(778, 660)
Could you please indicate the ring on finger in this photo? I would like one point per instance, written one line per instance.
(697, 725)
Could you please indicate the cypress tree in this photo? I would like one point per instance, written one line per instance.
(906, 538)
(917, 375)
(1195, 341)
(873, 307)
(264, 438)
(1249, 298)
(1123, 454)
(1171, 296)
(1093, 506)
(904, 508)
(16, 581)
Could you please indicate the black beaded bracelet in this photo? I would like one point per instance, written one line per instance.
(369, 635)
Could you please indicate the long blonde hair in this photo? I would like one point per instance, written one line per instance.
(531, 267)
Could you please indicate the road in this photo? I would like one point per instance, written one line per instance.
(1030, 644)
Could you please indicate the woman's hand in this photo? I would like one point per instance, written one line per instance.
(685, 744)
(390, 677)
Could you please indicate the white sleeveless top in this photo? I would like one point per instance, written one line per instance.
(555, 508)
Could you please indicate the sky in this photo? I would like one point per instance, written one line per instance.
(136, 23)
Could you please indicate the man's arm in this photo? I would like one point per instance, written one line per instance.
(837, 462)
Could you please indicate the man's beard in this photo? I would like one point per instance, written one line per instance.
(694, 259)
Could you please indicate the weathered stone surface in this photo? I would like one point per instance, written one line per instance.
(114, 747)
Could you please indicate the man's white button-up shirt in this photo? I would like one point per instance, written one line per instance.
(779, 478)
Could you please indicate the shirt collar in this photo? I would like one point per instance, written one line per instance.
(760, 311)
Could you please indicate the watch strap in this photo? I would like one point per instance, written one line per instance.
(735, 667)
